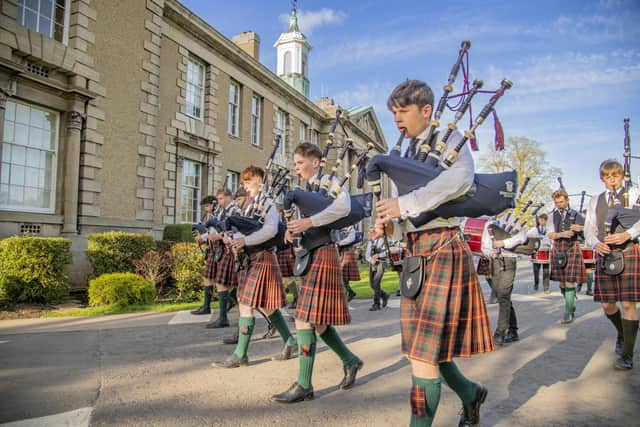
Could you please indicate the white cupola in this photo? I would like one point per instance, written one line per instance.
(293, 56)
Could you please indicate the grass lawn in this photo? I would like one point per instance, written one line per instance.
(364, 291)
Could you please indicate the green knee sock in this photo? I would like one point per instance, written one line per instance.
(630, 328)
(306, 356)
(223, 299)
(335, 343)
(569, 300)
(208, 293)
(279, 323)
(616, 319)
(245, 325)
(589, 281)
(465, 389)
(233, 295)
(423, 412)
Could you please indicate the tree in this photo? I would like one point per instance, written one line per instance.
(528, 159)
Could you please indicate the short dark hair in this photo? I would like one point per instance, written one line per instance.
(309, 150)
(411, 92)
(224, 192)
(208, 200)
(543, 216)
(251, 171)
(560, 193)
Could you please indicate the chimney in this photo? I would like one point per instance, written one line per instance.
(249, 42)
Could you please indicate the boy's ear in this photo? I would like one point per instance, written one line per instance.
(426, 111)
(315, 162)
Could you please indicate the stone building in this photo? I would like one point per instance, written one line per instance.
(122, 115)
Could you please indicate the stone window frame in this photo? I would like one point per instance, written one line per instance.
(256, 119)
(188, 83)
(52, 33)
(280, 128)
(315, 136)
(199, 191)
(54, 162)
(303, 131)
(233, 180)
(234, 110)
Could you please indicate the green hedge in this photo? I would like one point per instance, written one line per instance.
(115, 251)
(33, 269)
(178, 233)
(121, 289)
(187, 270)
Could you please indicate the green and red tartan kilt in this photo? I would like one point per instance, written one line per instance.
(574, 271)
(623, 287)
(322, 300)
(448, 318)
(285, 261)
(350, 270)
(210, 264)
(261, 286)
(484, 267)
(225, 272)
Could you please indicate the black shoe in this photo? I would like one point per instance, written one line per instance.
(385, 299)
(374, 307)
(579, 287)
(624, 363)
(218, 323)
(288, 352)
(568, 318)
(231, 339)
(293, 305)
(498, 338)
(294, 394)
(511, 336)
(351, 296)
(619, 343)
(493, 299)
(471, 412)
(535, 287)
(350, 372)
(589, 292)
(271, 332)
(232, 361)
(201, 310)
(398, 293)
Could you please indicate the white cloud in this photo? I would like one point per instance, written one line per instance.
(312, 19)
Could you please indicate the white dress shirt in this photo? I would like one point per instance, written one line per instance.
(509, 243)
(591, 224)
(340, 207)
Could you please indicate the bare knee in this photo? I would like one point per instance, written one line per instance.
(245, 310)
(320, 329)
(609, 307)
(423, 369)
(629, 310)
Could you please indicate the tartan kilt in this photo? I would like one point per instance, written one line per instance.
(261, 286)
(225, 273)
(574, 271)
(349, 262)
(484, 267)
(623, 287)
(448, 318)
(285, 261)
(321, 299)
(210, 265)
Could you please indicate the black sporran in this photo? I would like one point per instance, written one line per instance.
(412, 276)
(560, 259)
(218, 252)
(612, 263)
(301, 263)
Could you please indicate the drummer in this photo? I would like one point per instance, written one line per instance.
(540, 231)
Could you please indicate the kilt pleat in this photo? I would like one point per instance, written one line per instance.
(261, 286)
(285, 261)
(574, 271)
(484, 267)
(349, 262)
(322, 300)
(210, 265)
(448, 318)
(623, 287)
(225, 273)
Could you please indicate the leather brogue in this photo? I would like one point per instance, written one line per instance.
(350, 373)
(295, 393)
(218, 323)
(471, 411)
(288, 352)
(201, 310)
(232, 361)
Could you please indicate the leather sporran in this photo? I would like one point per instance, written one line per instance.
(301, 263)
(412, 276)
(612, 263)
(560, 259)
(217, 254)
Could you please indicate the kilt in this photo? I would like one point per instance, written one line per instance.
(349, 262)
(574, 271)
(623, 287)
(210, 266)
(484, 267)
(225, 273)
(448, 318)
(261, 286)
(322, 300)
(285, 261)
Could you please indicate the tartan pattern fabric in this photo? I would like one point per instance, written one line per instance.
(574, 271)
(418, 401)
(349, 262)
(448, 318)
(322, 300)
(225, 273)
(484, 267)
(261, 286)
(285, 261)
(210, 265)
(623, 287)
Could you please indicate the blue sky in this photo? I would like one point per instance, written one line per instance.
(574, 64)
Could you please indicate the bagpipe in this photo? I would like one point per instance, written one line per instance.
(490, 194)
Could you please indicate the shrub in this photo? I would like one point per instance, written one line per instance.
(114, 251)
(154, 266)
(33, 269)
(178, 233)
(187, 270)
(122, 289)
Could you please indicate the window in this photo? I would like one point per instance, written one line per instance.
(314, 136)
(304, 64)
(49, 17)
(281, 129)
(29, 158)
(234, 110)
(287, 62)
(233, 181)
(195, 88)
(303, 131)
(256, 108)
(190, 191)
